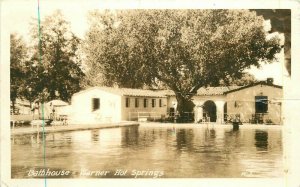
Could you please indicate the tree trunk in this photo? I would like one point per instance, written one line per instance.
(13, 106)
(185, 107)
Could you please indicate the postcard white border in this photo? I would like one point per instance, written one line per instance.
(291, 94)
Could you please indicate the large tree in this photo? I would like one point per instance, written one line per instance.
(54, 67)
(18, 55)
(245, 80)
(184, 49)
(281, 22)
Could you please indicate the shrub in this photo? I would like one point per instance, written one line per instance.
(269, 122)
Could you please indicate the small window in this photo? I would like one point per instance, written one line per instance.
(160, 103)
(136, 102)
(145, 103)
(95, 104)
(153, 103)
(261, 104)
(127, 102)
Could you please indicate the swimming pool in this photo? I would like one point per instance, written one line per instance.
(150, 152)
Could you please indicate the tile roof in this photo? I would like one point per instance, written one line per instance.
(207, 91)
(58, 102)
(254, 84)
(162, 93)
(216, 90)
(130, 92)
(134, 92)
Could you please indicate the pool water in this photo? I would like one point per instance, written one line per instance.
(151, 152)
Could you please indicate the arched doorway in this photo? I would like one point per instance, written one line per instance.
(210, 110)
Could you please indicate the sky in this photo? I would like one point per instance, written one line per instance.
(20, 14)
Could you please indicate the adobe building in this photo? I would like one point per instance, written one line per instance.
(103, 104)
(256, 103)
(209, 103)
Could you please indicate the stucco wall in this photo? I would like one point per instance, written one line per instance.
(131, 112)
(219, 101)
(243, 102)
(110, 107)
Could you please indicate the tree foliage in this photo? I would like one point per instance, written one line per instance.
(183, 49)
(54, 68)
(244, 80)
(18, 55)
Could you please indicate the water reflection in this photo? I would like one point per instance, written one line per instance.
(261, 140)
(179, 152)
(210, 133)
(130, 136)
(95, 135)
(184, 138)
(232, 139)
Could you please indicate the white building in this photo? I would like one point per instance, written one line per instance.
(214, 104)
(103, 104)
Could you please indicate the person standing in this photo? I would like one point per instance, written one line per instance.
(35, 110)
(52, 111)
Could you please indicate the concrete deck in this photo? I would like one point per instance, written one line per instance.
(210, 125)
(63, 128)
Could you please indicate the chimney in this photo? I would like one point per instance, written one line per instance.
(115, 85)
(270, 81)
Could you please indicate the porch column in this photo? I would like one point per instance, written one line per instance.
(198, 110)
(220, 111)
(174, 105)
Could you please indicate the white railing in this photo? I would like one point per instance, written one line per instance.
(153, 116)
(144, 116)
